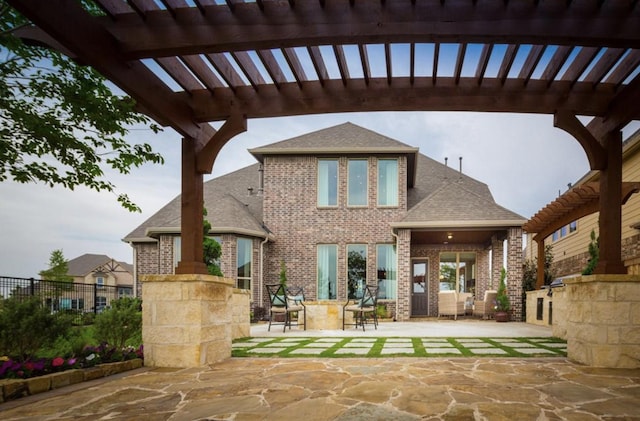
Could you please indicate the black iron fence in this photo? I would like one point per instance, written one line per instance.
(78, 299)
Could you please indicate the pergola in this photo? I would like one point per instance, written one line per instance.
(191, 62)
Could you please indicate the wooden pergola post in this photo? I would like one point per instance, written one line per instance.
(610, 230)
(191, 222)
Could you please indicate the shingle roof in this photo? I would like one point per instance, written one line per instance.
(83, 265)
(454, 202)
(438, 192)
(228, 203)
(346, 137)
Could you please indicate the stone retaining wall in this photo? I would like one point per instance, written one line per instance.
(11, 389)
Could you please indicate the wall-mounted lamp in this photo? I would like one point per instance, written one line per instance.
(449, 236)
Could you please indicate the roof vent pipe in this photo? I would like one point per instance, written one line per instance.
(460, 177)
(446, 165)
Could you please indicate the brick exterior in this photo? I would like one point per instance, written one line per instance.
(290, 211)
(514, 272)
(297, 226)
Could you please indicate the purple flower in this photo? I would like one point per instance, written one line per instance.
(71, 361)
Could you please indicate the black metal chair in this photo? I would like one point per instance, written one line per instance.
(283, 304)
(361, 308)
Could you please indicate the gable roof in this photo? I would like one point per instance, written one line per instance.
(87, 263)
(437, 191)
(455, 205)
(343, 139)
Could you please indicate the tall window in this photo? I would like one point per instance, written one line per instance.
(177, 251)
(387, 182)
(458, 272)
(387, 273)
(100, 282)
(358, 178)
(244, 256)
(327, 271)
(328, 182)
(356, 270)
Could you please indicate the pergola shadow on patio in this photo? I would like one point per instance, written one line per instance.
(426, 328)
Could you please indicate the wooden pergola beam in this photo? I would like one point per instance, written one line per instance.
(93, 44)
(247, 26)
(335, 96)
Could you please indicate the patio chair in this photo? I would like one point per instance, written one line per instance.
(361, 308)
(467, 299)
(450, 305)
(296, 298)
(486, 307)
(282, 304)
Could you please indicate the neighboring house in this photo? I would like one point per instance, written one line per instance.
(106, 280)
(571, 242)
(344, 206)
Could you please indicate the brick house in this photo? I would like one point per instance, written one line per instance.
(343, 206)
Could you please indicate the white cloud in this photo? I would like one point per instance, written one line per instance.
(523, 158)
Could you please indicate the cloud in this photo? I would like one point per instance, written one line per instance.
(523, 159)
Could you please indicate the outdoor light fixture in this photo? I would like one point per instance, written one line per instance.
(449, 236)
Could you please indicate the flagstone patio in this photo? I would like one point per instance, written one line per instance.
(391, 386)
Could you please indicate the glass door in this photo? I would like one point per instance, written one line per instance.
(419, 293)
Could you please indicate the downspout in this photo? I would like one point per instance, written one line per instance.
(260, 297)
(395, 319)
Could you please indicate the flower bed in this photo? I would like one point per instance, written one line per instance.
(23, 378)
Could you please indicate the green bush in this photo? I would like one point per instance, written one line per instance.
(121, 324)
(26, 327)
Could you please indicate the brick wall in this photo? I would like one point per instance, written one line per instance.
(291, 213)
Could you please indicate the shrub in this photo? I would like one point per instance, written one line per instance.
(502, 299)
(26, 326)
(121, 323)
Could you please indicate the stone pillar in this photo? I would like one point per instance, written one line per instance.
(514, 272)
(603, 320)
(186, 320)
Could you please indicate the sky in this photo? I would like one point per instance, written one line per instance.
(524, 160)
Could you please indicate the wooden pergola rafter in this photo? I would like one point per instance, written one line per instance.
(190, 63)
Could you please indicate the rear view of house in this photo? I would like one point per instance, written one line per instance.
(343, 207)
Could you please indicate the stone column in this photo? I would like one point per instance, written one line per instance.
(186, 320)
(603, 320)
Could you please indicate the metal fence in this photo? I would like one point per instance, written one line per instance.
(79, 299)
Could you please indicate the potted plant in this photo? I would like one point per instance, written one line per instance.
(502, 299)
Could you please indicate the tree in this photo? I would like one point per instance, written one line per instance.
(59, 278)
(61, 124)
(58, 268)
(211, 249)
(594, 254)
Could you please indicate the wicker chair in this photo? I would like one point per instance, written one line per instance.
(486, 307)
(450, 305)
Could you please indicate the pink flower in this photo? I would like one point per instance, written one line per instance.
(57, 362)
(29, 365)
(71, 361)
